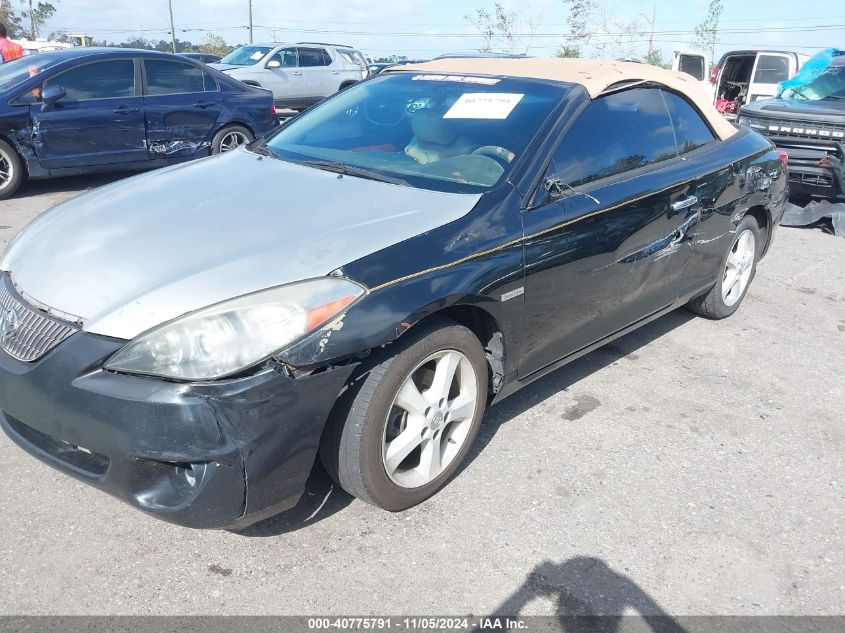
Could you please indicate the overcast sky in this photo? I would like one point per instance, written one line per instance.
(425, 28)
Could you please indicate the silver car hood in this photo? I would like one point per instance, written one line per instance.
(131, 255)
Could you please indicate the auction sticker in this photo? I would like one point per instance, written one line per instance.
(483, 105)
(466, 79)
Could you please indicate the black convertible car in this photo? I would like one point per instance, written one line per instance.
(404, 254)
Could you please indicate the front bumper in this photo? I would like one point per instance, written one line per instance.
(815, 172)
(222, 454)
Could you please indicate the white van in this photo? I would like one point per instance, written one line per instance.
(692, 63)
(745, 76)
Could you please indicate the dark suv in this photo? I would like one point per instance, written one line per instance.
(808, 121)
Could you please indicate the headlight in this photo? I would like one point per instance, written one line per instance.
(229, 337)
(744, 121)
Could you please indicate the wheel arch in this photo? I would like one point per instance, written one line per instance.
(763, 215)
(234, 122)
(486, 329)
(25, 160)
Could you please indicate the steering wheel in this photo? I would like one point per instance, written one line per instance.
(501, 155)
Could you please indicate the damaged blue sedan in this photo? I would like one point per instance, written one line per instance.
(82, 111)
(363, 283)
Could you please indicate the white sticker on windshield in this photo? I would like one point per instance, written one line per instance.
(257, 55)
(487, 81)
(483, 105)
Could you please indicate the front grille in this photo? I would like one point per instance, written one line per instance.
(27, 333)
(785, 128)
(815, 180)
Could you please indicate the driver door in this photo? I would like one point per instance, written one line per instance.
(284, 76)
(100, 121)
(608, 245)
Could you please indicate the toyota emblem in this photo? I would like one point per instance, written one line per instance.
(8, 324)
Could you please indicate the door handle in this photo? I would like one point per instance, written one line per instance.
(297, 74)
(335, 72)
(202, 104)
(684, 203)
(125, 109)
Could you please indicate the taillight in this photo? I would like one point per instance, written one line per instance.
(784, 158)
(714, 74)
(273, 109)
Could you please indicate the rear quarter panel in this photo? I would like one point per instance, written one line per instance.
(732, 177)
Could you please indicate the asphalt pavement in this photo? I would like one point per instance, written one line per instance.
(691, 467)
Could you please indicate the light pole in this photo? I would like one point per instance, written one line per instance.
(250, 21)
(172, 27)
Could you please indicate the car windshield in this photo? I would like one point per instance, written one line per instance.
(829, 85)
(19, 70)
(454, 133)
(246, 55)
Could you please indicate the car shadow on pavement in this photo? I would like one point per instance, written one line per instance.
(588, 597)
(323, 498)
(569, 374)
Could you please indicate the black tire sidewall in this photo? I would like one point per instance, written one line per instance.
(17, 170)
(384, 491)
(218, 138)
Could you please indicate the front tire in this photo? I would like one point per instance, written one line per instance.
(407, 421)
(11, 170)
(229, 138)
(738, 270)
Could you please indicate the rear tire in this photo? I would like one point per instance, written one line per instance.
(229, 138)
(11, 170)
(395, 455)
(739, 267)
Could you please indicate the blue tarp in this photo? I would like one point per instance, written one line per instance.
(811, 70)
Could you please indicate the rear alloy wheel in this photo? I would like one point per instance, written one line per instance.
(11, 170)
(739, 268)
(229, 138)
(407, 420)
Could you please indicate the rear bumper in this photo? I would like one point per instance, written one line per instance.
(206, 455)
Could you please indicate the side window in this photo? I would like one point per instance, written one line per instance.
(287, 57)
(771, 69)
(100, 80)
(311, 57)
(327, 59)
(692, 65)
(615, 134)
(691, 130)
(167, 78)
(209, 83)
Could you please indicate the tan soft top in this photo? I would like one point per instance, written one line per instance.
(595, 75)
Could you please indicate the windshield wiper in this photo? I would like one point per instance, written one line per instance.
(350, 170)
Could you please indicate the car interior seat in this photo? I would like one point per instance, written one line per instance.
(435, 138)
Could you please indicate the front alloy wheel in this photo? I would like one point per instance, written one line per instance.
(408, 417)
(430, 419)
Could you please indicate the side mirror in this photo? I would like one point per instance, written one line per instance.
(274, 63)
(51, 94)
(554, 188)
